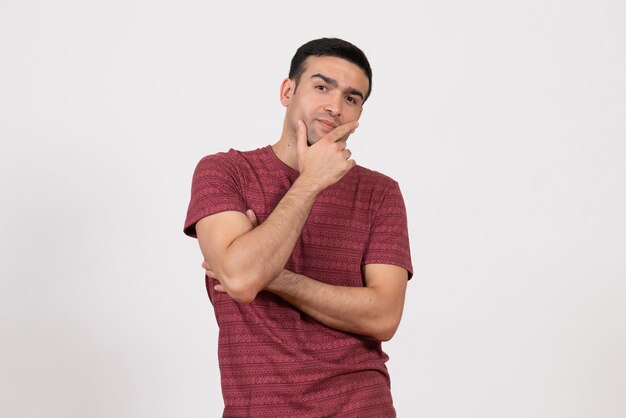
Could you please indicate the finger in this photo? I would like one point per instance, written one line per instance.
(252, 216)
(341, 132)
(302, 141)
(205, 265)
(219, 288)
(347, 153)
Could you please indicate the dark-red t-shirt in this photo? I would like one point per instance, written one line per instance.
(274, 360)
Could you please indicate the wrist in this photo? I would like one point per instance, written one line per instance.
(307, 185)
(276, 284)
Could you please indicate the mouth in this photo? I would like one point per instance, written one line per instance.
(327, 125)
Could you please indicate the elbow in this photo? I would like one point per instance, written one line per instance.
(386, 330)
(384, 335)
(242, 296)
(242, 283)
(241, 277)
(239, 290)
(241, 287)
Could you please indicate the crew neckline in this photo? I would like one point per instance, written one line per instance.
(277, 161)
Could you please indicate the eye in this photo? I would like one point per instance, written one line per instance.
(351, 99)
(320, 87)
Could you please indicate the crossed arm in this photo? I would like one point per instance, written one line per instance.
(247, 258)
(373, 310)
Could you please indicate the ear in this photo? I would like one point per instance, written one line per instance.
(286, 91)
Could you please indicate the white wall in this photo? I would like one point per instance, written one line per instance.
(504, 123)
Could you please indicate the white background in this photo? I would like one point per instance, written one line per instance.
(503, 121)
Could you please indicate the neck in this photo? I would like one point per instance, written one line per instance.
(285, 149)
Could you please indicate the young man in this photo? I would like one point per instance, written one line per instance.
(304, 296)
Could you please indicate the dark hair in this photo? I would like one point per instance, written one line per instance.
(332, 47)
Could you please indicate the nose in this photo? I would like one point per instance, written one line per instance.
(333, 107)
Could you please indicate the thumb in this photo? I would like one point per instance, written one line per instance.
(252, 217)
(302, 142)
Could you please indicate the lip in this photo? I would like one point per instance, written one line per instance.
(327, 125)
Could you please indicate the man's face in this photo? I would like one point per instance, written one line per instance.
(330, 93)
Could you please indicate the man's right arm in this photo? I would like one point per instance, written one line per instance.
(247, 259)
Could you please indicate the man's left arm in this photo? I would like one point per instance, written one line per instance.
(374, 310)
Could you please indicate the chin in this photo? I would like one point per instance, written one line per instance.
(312, 138)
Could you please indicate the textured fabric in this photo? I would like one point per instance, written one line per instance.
(274, 360)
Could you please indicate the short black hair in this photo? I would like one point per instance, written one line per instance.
(332, 47)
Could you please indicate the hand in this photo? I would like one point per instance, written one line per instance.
(207, 269)
(210, 273)
(327, 161)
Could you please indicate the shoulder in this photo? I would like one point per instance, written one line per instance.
(372, 174)
(372, 180)
(229, 160)
(377, 189)
(229, 157)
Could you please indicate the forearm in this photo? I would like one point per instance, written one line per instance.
(272, 242)
(359, 310)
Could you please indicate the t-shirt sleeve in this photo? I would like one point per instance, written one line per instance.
(389, 236)
(216, 187)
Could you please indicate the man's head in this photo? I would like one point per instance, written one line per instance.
(331, 47)
(328, 83)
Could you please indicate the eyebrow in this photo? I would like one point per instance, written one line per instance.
(333, 82)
